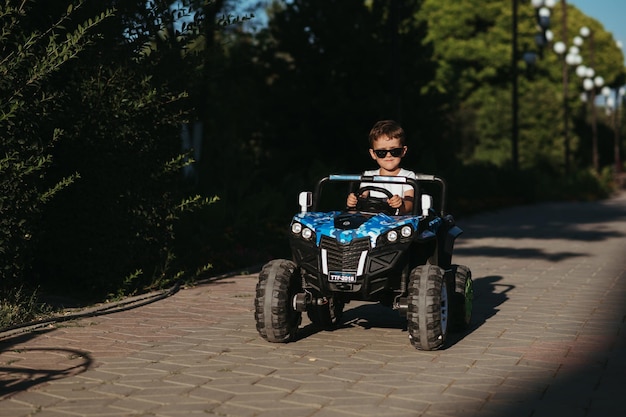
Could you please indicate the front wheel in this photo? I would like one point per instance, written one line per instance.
(276, 319)
(428, 307)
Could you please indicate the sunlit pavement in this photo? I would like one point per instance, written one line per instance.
(548, 339)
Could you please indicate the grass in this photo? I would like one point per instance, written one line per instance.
(20, 306)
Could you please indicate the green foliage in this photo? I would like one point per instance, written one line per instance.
(28, 59)
(295, 102)
(91, 188)
(582, 185)
(19, 306)
(472, 43)
(117, 222)
(485, 186)
(330, 78)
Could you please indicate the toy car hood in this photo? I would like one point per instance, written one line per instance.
(348, 226)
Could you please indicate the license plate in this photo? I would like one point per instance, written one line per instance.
(344, 277)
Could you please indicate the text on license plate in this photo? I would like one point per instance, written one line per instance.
(342, 277)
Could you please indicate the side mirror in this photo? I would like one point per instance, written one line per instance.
(305, 199)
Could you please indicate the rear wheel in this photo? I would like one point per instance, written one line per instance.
(463, 298)
(276, 319)
(428, 307)
(326, 315)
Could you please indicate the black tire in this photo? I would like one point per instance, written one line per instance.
(328, 315)
(276, 319)
(462, 299)
(428, 307)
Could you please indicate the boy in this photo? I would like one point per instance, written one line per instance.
(387, 148)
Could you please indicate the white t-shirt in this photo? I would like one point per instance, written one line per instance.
(395, 189)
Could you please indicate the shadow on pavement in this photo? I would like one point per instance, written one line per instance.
(22, 368)
(489, 295)
(579, 221)
(525, 253)
(367, 316)
(373, 315)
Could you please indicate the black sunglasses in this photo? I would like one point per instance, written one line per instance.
(395, 152)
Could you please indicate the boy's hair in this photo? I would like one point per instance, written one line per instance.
(387, 128)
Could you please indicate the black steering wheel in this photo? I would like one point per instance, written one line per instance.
(374, 204)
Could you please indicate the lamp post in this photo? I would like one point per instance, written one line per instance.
(542, 15)
(560, 48)
(542, 8)
(590, 84)
(514, 94)
(609, 102)
(619, 105)
(598, 82)
(395, 54)
(573, 58)
(613, 106)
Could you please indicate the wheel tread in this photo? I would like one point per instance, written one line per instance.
(276, 321)
(426, 331)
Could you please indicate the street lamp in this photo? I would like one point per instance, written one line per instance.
(514, 93)
(619, 104)
(560, 48)
(609, 102)
(590, 84)
(596, 82)
(614, 105)
(542, 12)
(515, 73)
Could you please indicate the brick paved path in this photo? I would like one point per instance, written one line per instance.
(548, 339)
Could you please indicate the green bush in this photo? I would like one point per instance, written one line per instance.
(581, 185)
(479, 187)
(483, 186)
(90, 174)
(28, 59)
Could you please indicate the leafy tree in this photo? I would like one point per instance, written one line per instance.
(91, 183)
(296, 101)
(29, 57)
(124, 106)
(336, 68)
(472, 45)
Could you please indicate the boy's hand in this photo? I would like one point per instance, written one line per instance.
(395, 201)
(352, 200)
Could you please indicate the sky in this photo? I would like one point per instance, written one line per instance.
(611, 13)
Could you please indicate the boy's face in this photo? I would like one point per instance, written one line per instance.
(388, 161)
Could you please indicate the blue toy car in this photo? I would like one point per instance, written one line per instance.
(368, 254)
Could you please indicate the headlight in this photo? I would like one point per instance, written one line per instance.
(406, 231)
(392, 236)
(304, 232)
